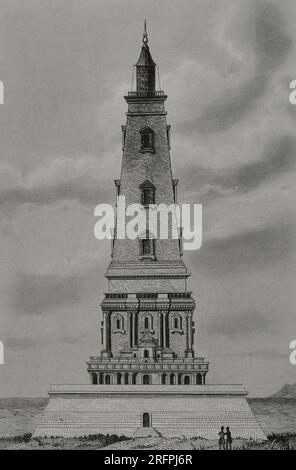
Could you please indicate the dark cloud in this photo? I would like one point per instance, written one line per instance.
(87, 191)
(272, 40)
(257, 249)
(267, 353)
(271, 46)
(38, 294)
(243, 323)
(278, 157)
(231, 107)
(22, 344)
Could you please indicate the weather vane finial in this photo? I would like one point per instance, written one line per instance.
(145, 35)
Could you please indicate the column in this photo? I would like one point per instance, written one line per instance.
(160, 323)
(134, 320)
(189, 330)
(166, 343)
(105, 334)
(129, 316)
(108, 332)
(163, 330)
(102, 334)
(167, 330)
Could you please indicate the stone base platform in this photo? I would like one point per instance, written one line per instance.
(167, 410)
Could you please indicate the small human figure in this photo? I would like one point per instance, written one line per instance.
(221, 435)
(228, 439)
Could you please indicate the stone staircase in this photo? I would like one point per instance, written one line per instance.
(146, 432)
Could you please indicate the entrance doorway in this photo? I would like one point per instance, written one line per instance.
(146, 420)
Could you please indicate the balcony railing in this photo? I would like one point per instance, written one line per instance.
(112, 295)
(145, 93)
(148, 295)
(152, 366)
(158, 360)
(180, 295)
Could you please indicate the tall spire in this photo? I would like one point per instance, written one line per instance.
(145, 67)
(145, 35)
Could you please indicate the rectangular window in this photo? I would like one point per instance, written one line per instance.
(146, 141)
(147, 248)
(147, 196)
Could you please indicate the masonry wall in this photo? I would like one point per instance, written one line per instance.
(170, 415)
(120, 338)
(138, 167)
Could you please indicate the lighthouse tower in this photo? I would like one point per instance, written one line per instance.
(147, 328)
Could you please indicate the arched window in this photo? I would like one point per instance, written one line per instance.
(94, 379)
(118, 323)
(107, 379)
(134, 378)
(146, 420)
(146, 380)
(147, 140)
(199, 379)
(119, 378)
(147, 193)
(147, 322)
(186, 380)
(146, 352)
(176, 322)
(163, 379)
(172, 381)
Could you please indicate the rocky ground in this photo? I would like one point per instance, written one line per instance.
(275, 442)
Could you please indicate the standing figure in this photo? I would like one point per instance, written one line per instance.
(228, 439)
(221, 435)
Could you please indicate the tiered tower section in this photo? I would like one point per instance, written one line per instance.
(147, 330)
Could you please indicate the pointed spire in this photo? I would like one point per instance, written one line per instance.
(145, 58)
(145, 35)
(145, 67)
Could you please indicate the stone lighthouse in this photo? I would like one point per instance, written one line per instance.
(147, 328)
(147, 379)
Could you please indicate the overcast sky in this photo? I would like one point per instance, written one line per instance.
(226, 66)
